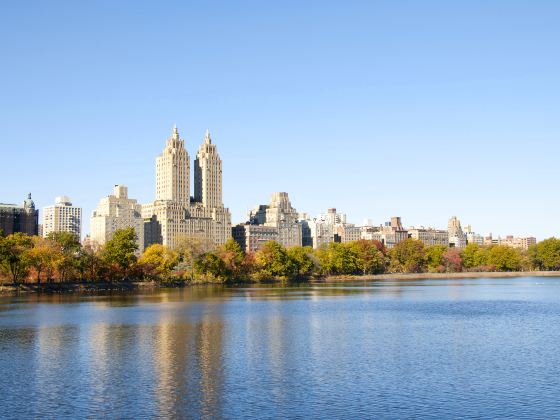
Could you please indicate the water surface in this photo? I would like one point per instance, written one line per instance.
(390, 349)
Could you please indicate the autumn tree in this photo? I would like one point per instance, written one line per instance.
(160, 261)
(14, 259)
(408, 256)
(369, 257)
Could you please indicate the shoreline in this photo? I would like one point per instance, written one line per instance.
(78, 288)
(443, 276)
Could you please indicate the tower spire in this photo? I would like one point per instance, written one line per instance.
(207, 138)
(175, 132)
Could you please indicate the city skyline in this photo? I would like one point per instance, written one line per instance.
(405, 121)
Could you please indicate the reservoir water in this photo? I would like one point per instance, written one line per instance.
(386, 349)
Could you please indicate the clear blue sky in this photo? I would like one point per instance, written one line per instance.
(423, 109)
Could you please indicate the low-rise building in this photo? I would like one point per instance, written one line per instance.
(429, 236)
(251, 237)
(523, 242)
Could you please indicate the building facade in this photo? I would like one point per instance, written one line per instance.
(24, 219)
(457, 237)
(277, 221)
(174, 214)
(114, 212)
(62, 217)
(429, 236)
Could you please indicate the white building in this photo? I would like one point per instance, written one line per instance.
(114, 212)
(457, 237)
(175, 213)
(62, 217)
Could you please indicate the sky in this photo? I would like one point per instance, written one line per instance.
(421, 109)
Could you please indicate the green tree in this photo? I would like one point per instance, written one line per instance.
(504, 258)
(14, 259)
(342, 259)
(300, 262)
(68, 246)
(211, 267)
(120, 251)
(408, 256)
(546, 254)
(160, 259)
(88, 263)
(435, 261)
(474, 256)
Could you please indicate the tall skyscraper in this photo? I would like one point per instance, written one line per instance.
(208, 174)
(62, 217)
(172, 172)
(175, 214)
(114, 212)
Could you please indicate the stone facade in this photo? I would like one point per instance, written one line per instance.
(24, 219)
(62, 217)
(114, 212)
(175, 215)
(429, 236)
(279, 218)
(457, 237)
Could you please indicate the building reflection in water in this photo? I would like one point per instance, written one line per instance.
(188, 363)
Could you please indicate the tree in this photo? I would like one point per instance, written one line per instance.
(88, 263)
(369, 257)
(452, 260)
(300, 263)
(435, 261)
(211, 266)
(45, 256)
(120, 251)
(408, 256)
(546, 254)
(271, 261)
(160, 259)
(234, 259)
(14, 255)
(67, 245)
(189, 249)
(474, 256)
(504, 258)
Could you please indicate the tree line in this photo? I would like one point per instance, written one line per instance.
(61, 258)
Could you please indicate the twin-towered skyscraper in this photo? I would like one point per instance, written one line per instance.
(175, 214)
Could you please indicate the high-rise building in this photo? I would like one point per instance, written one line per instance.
(24, 219)
(208, 174)
(62, 217)
(114, 212)
(175, 214)
(457, 237)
